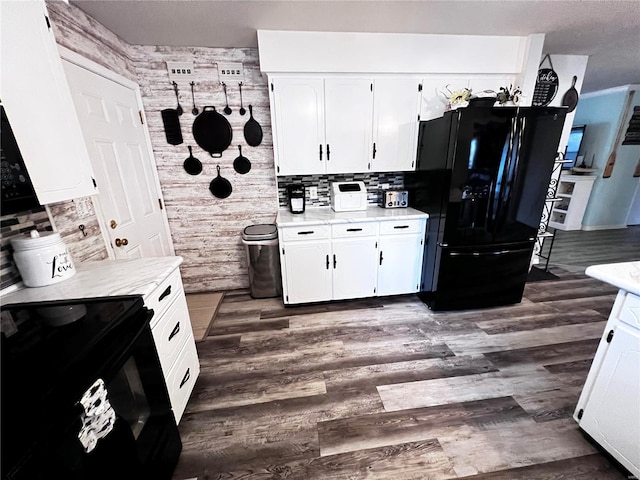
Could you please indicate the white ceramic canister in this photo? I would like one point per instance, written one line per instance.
(42, 259)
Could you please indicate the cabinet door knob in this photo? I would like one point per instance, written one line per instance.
(113, 224)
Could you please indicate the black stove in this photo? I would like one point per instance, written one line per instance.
(52, 354)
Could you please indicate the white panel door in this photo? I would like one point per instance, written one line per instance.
(308, 271)
(399, 264)
(612, 414)
(354, 268)
(396, 105)
(299, 125)
(124, 167)
(348, 124)
(37, 101)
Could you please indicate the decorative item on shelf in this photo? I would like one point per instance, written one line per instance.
(546, 85)
(509, 95)
(583, 168)
(456, 98)
(485, 98)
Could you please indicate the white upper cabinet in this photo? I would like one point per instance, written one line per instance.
(348, 112)
(298, 125)
(396, 105)
(38, 103)
(321, 125)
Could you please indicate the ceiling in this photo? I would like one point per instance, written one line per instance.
(606, 30)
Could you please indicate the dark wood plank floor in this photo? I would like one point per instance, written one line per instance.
(579, 249)
(387, 389)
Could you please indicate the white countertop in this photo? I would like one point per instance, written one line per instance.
(625, 276)
(138, 276)
(320, 215)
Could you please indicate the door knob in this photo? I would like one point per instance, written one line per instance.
(121, 242)
(113, 224)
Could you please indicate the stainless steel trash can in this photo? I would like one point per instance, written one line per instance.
(263, 258)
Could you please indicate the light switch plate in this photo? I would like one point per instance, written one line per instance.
(84, 207)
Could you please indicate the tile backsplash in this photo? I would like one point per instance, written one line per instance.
(372, 181)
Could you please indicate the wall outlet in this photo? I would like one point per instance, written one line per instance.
(180, 71)
(384, 186)
(313, 193)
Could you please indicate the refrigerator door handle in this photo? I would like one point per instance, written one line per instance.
(486, 254)
(504, 178)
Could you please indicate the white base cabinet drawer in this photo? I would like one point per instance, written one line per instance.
(171, 332)
(182, 378)
(164, 295)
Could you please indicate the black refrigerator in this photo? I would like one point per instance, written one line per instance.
(482, 175)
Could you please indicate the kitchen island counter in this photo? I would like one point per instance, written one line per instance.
(625, 275)
(138, 276)
(326, 215)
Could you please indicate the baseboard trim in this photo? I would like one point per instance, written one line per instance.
(602, 227)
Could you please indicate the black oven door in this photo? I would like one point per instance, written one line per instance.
(142, 439)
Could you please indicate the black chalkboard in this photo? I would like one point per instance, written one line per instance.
(546, 85)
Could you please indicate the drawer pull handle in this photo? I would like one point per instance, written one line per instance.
(401, 226)
(185, 379)
(164, 294)
(354, 229)
(381, 257)
(175, 331)
(335, 261)
(306, 232)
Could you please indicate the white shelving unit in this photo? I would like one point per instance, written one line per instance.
(572, 196)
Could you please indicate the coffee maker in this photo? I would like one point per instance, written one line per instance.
(295, 192)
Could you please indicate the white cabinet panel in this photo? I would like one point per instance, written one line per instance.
(348, 113)
(400, 264)
(38, 103)
(396, 107)
(612, 414)
(171, 332)
(299, 125)
(354, 267)
(182, 378)
(308, 269)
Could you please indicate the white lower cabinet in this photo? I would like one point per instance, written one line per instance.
(354, 267)
(307, 272)
(400, 264)
(608, 408)
(351, 260)
(173, 336)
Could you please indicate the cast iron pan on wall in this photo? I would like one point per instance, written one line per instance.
(241, 164)
(252, 130)
(192, 165)
(220, 186)
(212, 132)
(171, 122)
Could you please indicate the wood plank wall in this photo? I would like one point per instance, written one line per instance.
(205, 230)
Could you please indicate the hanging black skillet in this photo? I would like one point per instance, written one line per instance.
(192, 165)
(212, 132)
(220, 186)
(252, 130)
(570, 98)
(241, 164)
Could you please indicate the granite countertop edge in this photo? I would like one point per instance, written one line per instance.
(105, 278)
(326, 215)
(624, 275)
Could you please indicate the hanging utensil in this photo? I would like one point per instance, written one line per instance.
(226, 110)
(194, 110)
(171, 122)
(220, 186)
(192, 165)
(570, 98)
(241, 164)
(608, 169)
(212, 131)
(242, 109)
(252, 130)
(175, 89)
